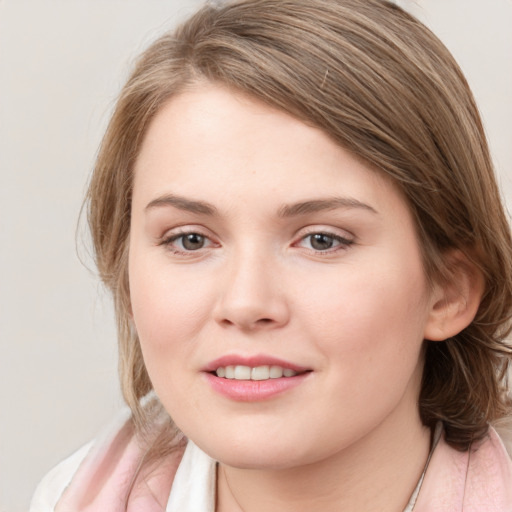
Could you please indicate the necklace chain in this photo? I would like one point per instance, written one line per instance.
(230, 490)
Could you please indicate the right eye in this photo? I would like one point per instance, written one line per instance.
(186, 242)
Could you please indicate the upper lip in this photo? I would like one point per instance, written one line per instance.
(252, 361)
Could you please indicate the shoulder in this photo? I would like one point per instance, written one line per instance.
(474, 480)
(489, 476)
(54, 484)
(113, 473)
(51, 487)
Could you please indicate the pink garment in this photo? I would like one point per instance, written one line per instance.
(479, 480)
(107, 479)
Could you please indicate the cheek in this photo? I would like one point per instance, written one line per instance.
(167, 322)
(172, 313)
(167, 316)
(371, 352)
(164, 300)
(372, 321)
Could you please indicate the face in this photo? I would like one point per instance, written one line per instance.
(276, 282)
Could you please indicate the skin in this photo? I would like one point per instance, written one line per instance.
(349, 436)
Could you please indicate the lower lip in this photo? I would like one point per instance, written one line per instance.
(253, 390)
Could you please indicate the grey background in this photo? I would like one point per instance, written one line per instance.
(62, 62)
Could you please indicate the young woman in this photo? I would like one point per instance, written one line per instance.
(295, 210)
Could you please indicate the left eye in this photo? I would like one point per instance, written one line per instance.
(193, 241)
(324, 241)
(188, 241)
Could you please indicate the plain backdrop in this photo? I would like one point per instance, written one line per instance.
(62, 62)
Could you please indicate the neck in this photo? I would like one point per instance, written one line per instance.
(378, 473)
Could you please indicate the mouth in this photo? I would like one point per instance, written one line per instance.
(253, 379)
(265, 372)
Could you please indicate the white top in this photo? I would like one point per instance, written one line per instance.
(52, 486)
(194, 485)
(193, 489)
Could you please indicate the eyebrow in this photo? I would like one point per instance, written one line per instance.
(317, 205)
(182, 203)
(285, 211)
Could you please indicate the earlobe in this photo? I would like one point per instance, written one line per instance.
(455, 302)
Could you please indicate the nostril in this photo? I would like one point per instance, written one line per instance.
(251, 316)
(247, 325)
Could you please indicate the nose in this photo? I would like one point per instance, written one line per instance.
(251, 296)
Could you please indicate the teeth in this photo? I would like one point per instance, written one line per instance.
(276, 372)
(242, 373)
(260, 373)
(257, 373)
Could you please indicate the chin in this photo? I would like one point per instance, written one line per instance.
(257, 461)
(256, 453)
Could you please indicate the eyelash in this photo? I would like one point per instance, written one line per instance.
(343, 243)
(169, 240)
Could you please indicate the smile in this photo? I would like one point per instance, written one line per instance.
(253, 378)
(266, 372)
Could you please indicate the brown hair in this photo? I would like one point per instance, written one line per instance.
(386, 89)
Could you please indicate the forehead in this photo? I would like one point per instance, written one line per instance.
(217, 144)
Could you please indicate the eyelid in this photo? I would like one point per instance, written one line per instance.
(344, 237)
(174, 234)
(326, 230)
(184, 229)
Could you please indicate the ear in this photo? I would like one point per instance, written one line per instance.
(455, 301)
